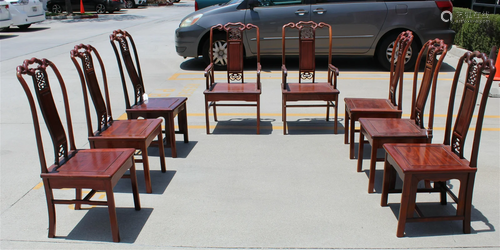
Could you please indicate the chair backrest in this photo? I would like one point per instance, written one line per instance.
(431, 50)
(88, 78)
(398, 56)
(476, 64)
(126, 43)
(235, 54)
(37, 69)
(307, 47)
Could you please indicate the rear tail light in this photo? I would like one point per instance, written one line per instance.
(195, 6)
(445, 6)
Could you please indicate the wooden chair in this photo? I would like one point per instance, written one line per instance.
(136, 134)
(311, 90)
(356, 108)
(235, 89)
(95, 169)
(166, 107)
(442, 162)
(379, 131)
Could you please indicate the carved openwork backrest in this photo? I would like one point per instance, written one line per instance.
(123, 40)
(398, 56)
(307, 47)
(235, 54)
(431, 50)
(476, 63)
(88, 77)
(37, 69)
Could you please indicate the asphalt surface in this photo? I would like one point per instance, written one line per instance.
(231, 189)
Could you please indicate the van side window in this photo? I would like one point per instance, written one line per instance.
(264, 3)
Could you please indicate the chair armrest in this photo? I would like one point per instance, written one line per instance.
(333, 72)
(209, 75)
(259, 68)
(284, 74)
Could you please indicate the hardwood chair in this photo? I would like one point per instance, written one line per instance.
(95, 169)
(166, 107)
(356, 108)
(235, 89)
(138, 134)
(379, 131)
(311, 90)
(442, 162)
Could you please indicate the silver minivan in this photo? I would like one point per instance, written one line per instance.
(360, 27)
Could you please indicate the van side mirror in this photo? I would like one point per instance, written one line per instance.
(253, 3)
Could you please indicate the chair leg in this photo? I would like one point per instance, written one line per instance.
(258, 114)
(135, 189)
(373, 162)
(283, 112)
(207, 124)
(78, 196)
(336, 107)
(183, 124)
(51, 208)
(145, 163)
(361, 150)
(112, 212)
(161, 148)
(327, 110)
(468, 202)
(346, 127)
(351, 139)
(215, 111)
(170, 133)
(407, 207)
(388, 182)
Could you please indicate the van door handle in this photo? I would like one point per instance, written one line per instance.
(301, 12)
(319, 11)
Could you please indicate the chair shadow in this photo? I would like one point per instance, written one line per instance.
(159, 181)
(243, 126)
(183, 149)
(95, 225)
(2, 36)
(273, 63)
(441, 228)
(312, 126)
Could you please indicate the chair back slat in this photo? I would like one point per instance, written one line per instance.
(430, 51)
(89, 81)
(476, 64)
(398, 56)
(37, 69)
(123, 40)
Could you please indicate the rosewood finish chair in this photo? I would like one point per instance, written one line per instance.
(95, 169)
(379, 131)
(311, 90)
(166, 107)
(138, 134)
(442, 162)
(356, 108)
(235, 89)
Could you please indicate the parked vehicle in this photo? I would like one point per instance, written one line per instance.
(129, 4)
(99, 6)
(361, 28)
(5, 16)
(26, 12)
(200, 4)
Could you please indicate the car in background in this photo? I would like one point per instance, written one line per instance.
(129, 4)
(200, 4)
(360, 28)
(26, 12)
(99, 6)
(5, 16)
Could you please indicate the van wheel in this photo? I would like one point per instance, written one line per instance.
(56, 8)
(129, 4)
(384, 53)
(24, 27)
(100, 8)
(219, 49)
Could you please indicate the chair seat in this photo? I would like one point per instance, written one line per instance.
(236, 88)
(392, 128)
(426, 158)
(159, 104)
(130, 129)
(93, 164)
(369, 105)
(304, 88)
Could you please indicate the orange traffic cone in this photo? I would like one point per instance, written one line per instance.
(82, 10)
(497, 66)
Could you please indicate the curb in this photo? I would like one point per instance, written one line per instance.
(71, 17)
